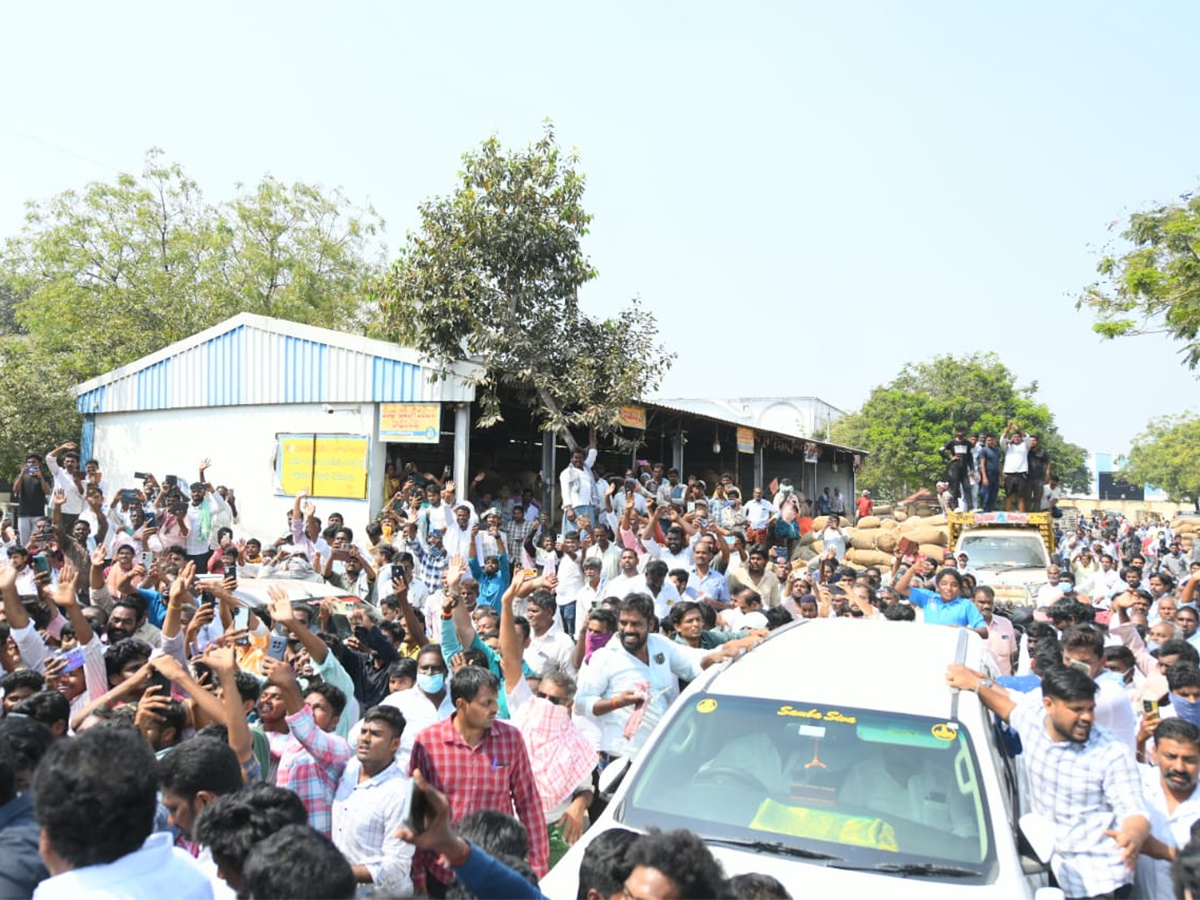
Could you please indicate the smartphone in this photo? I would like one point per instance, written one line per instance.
(151, 520)
(531, 573)
(1150, 707)
(141, 476)
(128, 496)
(1080, 665)
(339, 554)
(418, 811)
(74, 658)
(171, 480)
(40, 563)
(207, 598)
(277, 647)
(231, 572)
(179, 508)
(343, 607)
(147, 559)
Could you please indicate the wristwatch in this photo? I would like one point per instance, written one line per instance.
(983, 683)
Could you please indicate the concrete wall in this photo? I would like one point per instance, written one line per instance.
(241, 442)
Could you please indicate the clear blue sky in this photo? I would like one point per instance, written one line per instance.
(809, 195)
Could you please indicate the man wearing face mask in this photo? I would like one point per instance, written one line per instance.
(424, 704)
(561, 757)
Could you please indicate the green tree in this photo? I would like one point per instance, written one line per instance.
(1167, 456)
(904, 423)
(100, 277)
(1154, 286)
(493, 276)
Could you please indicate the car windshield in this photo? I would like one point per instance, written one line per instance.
(1009, 550)
(863, 787)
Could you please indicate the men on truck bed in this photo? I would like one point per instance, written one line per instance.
(1016, 466)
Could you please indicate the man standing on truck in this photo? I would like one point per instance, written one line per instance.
(1038, 461)
(957, 451)
(989, 474)
(1016, 466)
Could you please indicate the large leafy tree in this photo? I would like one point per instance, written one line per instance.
(493, 275)
(1154, 286)
(100, 277)
(1167, 456)
(904, 423)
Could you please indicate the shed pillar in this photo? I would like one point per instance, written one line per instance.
(462, 447)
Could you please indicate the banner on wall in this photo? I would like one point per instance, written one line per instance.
(325, 465)
(410, 423)
(745, 439)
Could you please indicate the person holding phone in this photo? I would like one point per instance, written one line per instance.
(32, 490)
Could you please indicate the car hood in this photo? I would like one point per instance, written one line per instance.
(805, 878)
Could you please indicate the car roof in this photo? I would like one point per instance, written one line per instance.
(253, 591)
(897, 666)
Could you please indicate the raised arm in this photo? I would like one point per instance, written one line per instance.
(511, 649)
(283, 613)
(990, 694)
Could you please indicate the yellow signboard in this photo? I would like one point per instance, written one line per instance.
(632, 417)
(745, 440)
(325, 465)
(410, 423)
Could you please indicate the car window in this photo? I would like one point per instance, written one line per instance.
(874, 787)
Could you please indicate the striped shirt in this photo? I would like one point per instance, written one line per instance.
(311, 762)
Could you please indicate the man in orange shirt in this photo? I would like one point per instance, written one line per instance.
(865, 504)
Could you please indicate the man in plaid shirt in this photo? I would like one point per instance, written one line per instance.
(311, 758)
(478, 763)
(1081, 778)
(431, 558)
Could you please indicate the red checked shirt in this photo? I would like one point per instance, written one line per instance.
(493, 775)
(311, 762)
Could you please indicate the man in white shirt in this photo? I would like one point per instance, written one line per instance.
(458, 536)
(629, 579)
(1170, 792)
(1016, 466)
(591, 593)
(370, 806)
(758, 511)
(109, 851)
(636, 677)
(426, 703)
(677, 553)
(69, 479)
(549, 646)
(578, 484)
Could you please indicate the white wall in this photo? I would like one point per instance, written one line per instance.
(240, 441)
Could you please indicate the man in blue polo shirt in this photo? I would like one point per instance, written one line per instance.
(946, 605)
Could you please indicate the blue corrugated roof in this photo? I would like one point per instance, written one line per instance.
(225, 368)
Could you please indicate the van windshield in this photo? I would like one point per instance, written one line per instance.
(1005, 551)
(858, 785)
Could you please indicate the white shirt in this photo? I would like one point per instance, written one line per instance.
(681, 560)
(1016, 456)
(457, 541)
(612, 669)
(419, 713)
(64, 481)
(570, 578)
(624, 585)
(554, 648)
(366, 816)
(578, 485)
(156, 870)
(667, 597)
(758, 513)
(1153, 879)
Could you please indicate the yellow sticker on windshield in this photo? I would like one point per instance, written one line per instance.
(825, 715)
(706, 705)
(944, 732)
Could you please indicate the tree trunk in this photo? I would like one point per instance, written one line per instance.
(551, 405)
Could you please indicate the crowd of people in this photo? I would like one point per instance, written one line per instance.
(426, 707)
(981, 464)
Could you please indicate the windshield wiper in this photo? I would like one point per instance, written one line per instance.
(912, 869)
(770, 847)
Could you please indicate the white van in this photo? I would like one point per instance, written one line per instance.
(835, 758)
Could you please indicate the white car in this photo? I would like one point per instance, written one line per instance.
(835, 758)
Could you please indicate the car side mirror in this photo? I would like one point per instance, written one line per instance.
(1038, 831)
(612, 776)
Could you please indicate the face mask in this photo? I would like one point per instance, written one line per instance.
(1066, 587)
(595, 642)
(1188, 710)
(1151, 646)
(431, 684)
